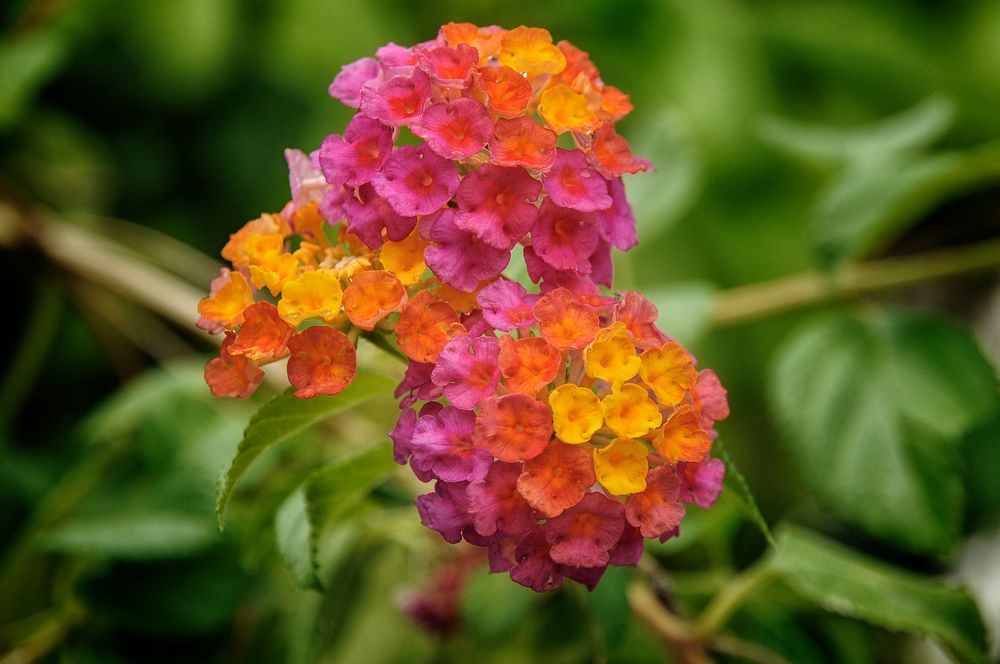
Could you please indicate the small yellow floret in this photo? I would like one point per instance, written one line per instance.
(630, 412)
(576, 413)
(611, 356)
(669, 372)
(621, 467)
(315, 294)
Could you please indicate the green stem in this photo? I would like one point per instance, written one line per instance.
(732, 596)
(753, 301)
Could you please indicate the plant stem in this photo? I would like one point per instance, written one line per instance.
(753, 301)
(732, 596)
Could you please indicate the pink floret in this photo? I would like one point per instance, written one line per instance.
(564, 238)
(498, 204)
(353, 158)
(455, 129)
(415, 181)
(459, 258)
(467, 370)
(573, 183)
(352, 78)
(506, 305)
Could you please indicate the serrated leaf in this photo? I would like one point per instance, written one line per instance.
(325, 499)
(737, 483)
(915, 128)
(145, 535)
(871, 202)
(285, 416)
(845, 582)
(872, 408)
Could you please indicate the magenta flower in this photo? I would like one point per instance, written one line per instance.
(353, 158)
(618, 222)
(533, 567)
(601, 265)
(416, 181)
(448, 67)
(572, 183)
(394, 57)
(701, 483)
(352, 78)
(400, 101)
(442, 444)
(455, 129)
(506, 305)
(467, 370)
(583, 535)
(459, 258)
(495, 504)
(368, 214)
(498, 204)
(445, 510)
(417, 383)
(564, 238)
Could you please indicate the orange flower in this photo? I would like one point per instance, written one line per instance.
(234, 251)
(371, 296)
(613, 154)
(564, 322)
(425, 326)
(263, 335)
(227, 304)
(577, 62)
(231, 375)
(557, 478)
(682, 438)
(522, 142)
(507, 91)
(322, 361)
(484, 40)
(405, 258)
(656, 510)
(639, 316)
(315, 294)
(513, 427)
(528, 364)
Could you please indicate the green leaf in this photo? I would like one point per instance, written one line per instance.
(871, 202)
(285, 416)
(145, 535)
(326, 498)
(25, 64)
(873, 408)
(848, 583)
(915, 128)
(493, 606)
(738, 484)
(608, 604)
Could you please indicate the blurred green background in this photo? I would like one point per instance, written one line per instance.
(791, 139)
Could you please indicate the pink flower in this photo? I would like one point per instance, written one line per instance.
(618, 222)
(601, 265)
(442, 444)
(583, 535)
(445, 510)
(564, 238)
(467, 370)
(331, 207)
(459, 258)
(392, 56)
(368, 214)
(455, 129)
(498, 204)
(656, 510)
(533, 567)
(495, 504)
(448, 67)
(352, 78)
(701, 483)
(506, 305)
(305, 181)
(416, 181)
(710, 399)
(417, 382)
(400, 101)
(629, 548)
(353, 158)
(572, 183)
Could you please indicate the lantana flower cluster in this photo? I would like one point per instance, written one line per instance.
(560, 426)
(560, 433)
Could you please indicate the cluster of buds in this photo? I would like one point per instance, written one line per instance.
(561, 426)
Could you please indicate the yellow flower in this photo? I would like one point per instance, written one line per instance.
(315, 294)
(611, 356)
(576, 413)
(630, 412)
(621, 466)
(405, 258)
(669, 372)
(564, 110)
